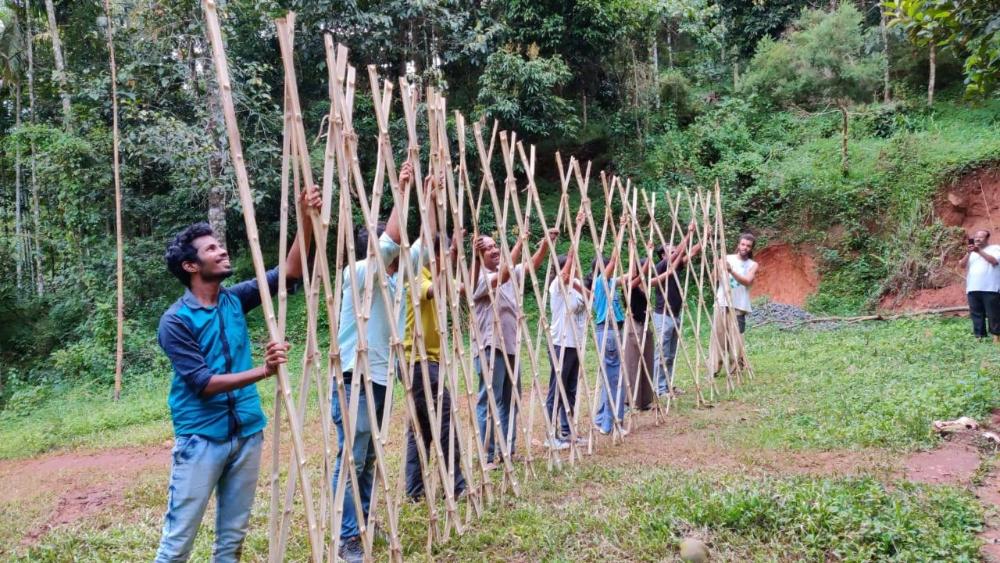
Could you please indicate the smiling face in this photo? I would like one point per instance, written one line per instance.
(491, 254)
(213, 263)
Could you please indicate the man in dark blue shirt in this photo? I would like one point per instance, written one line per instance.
(214, 405)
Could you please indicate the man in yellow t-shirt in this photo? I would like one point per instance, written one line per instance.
(421, 358)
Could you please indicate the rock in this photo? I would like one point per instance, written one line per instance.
(693, 549)
(957, 200)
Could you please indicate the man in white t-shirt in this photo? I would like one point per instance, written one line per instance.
(733, 293)
(982, 284)
(742, 269)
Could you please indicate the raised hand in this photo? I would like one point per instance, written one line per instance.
(406, 176)
(312, 197)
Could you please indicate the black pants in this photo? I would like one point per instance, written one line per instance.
(414, 476)
(570, 375)
(984, 305)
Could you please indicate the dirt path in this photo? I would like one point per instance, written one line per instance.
(63, 488)
(965, 460)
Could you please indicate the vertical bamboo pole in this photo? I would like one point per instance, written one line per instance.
(119, 244)
(246, 199)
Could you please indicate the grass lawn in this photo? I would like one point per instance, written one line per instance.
(865, 388)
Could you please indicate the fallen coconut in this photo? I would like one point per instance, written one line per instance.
(693, 549)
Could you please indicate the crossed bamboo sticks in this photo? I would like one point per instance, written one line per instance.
(451, 203)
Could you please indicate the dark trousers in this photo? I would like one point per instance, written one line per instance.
(984, 305)
(414, 476)
(569, 375)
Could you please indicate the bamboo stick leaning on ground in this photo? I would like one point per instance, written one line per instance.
(743, 364)
(460, 273)
(428, 210)
(512, 370)
(678, 318)
(499, 437)
(704, 238)
(468, 273)
(603, 383)
(685, 253)
(119, 229)
(452, 355)
(304, 166)
(508, 148)
(646, 274)
(274, 512)
(392, 302)
(590, 328)
(573, 172)
(543, 330)
(601, 345)
(246, 200)
(540, 290)
(459, 198)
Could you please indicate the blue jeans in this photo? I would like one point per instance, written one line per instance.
(200, 466)
(608, 413)
(364, 453)
(570, 376)
(503, 394)
(664, 354)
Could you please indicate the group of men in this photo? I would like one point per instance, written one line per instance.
(214, 403)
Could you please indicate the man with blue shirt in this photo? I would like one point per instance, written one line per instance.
(214, 405)
(378, 332)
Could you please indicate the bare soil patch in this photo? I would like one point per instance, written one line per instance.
(953, 463)
(787, 274)
(74, 485)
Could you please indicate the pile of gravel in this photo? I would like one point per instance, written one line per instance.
(785, 316)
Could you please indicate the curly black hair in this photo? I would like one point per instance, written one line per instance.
(181, 250)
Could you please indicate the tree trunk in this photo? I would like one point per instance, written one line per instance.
(119, 244)
(886, 94)
(37, 251)
(216, 166)
(933, 74)
(57, 54)
(843, 146)
(736, 75)
(18, 207)
(656, 70)
(670, 47)
(584, 110)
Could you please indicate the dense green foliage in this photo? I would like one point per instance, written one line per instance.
(670, 92)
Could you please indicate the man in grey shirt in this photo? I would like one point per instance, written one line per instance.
(497, 310)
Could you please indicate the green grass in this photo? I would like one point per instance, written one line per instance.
(871, 385)
(598, 514)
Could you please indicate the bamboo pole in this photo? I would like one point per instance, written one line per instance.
(246, 199)
(116, 165)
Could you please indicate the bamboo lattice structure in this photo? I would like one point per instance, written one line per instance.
(466, 187)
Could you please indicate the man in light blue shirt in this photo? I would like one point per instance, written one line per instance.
(378, 332)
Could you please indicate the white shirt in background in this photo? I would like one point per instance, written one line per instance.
(568, 314)
(983, 276)
(739, 292)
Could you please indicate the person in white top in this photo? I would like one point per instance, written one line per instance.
(568, 303)
(742, 271)
(982, 284)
